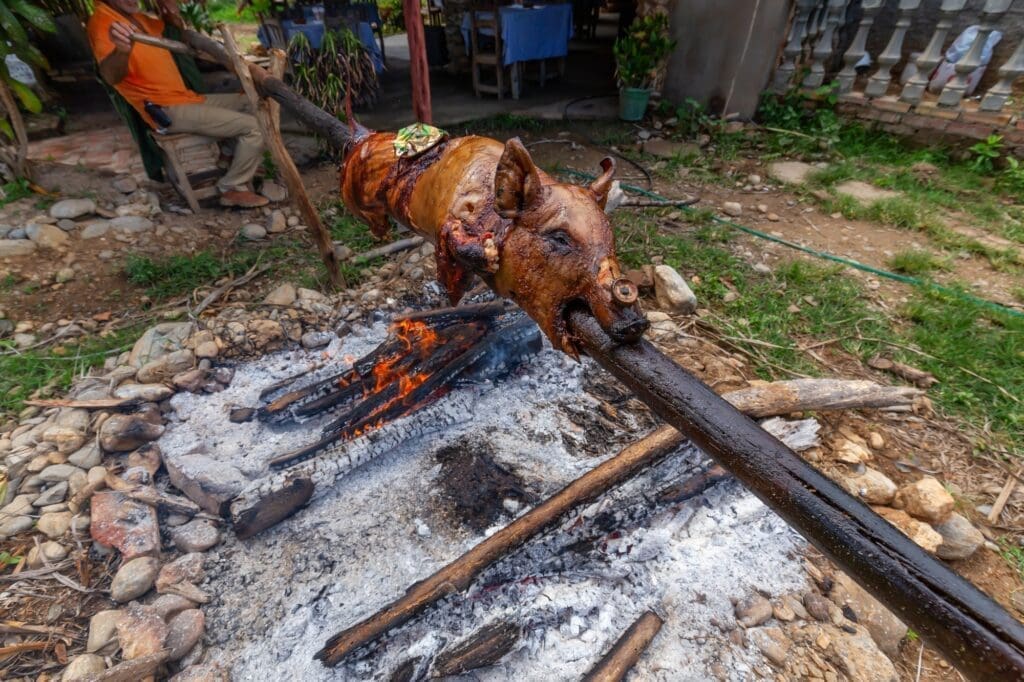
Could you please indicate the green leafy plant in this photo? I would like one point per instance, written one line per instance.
(986, 153)
(8, 559)
(1012, 177)
(641, 54)
(341, 65)
(197, 16)
(18, 18)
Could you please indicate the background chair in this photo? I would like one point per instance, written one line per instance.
(486, 45)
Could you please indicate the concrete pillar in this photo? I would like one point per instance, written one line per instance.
(726, 52)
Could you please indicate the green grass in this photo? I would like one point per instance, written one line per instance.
(917, 262)
(177, 275)
(225, 11)
(49, 371)
(12, 191)
(976, 352)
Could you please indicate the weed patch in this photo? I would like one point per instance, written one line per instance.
(917, 262)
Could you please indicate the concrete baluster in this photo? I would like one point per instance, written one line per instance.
(823, 48)
(932, 56)
(878, 84)
(956, 88)
(1013, 69)
(858, 48)
(794, 48)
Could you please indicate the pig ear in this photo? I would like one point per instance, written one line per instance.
(516, 182)
(602, 185)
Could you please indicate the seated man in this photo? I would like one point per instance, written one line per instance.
(144, 74)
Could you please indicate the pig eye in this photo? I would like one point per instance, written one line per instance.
(560, 239)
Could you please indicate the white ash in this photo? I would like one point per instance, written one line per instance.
(363, 540)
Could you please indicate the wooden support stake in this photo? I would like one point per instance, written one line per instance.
(267, 114)
(1004, 497)
(419, 70)
(799, 395)
(457, 576)
(627, 650)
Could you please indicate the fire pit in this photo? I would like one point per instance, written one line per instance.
(460, 454)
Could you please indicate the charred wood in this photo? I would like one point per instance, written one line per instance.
(627, 650)
(694, 485)
(972, 631)
(485, 647)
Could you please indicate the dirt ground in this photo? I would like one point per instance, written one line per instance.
(914, 443)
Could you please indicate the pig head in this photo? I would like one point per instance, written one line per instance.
(558, 251)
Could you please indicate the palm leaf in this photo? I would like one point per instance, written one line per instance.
(37, 16)
(28, 99)
(11, 26)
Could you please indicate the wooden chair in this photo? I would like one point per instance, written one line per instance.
(275, 34)
(483, 58)
(190, 163)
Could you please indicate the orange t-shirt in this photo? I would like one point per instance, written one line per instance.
(152, 74)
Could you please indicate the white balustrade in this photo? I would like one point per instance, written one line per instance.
(878, 84)
(1013, 69)
(955, 89)
(858, 48)
(932, 56)
(794, 48)
(833, 13)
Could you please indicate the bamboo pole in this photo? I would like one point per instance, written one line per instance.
(952, 615)
(268, 114)
(627, 650)
(457, 576)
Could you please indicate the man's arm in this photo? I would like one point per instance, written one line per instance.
(114, 66)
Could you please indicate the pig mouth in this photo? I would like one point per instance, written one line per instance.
(629, 325)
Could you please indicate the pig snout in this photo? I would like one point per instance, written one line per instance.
(614, 304)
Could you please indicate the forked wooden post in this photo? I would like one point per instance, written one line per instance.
(267, 113)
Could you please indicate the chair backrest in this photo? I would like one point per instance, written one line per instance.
(490, 20)
(275, 34)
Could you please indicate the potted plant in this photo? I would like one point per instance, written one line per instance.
(639, 57)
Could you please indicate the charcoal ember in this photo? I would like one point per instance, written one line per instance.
(475, 486)
(485, 647)
(239, 415)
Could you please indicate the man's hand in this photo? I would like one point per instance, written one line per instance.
(121, 35)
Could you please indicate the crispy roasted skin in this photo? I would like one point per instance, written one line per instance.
(489, 211)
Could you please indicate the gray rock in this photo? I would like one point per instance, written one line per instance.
(22, 504)
(152, 393)
(94, 229)
(23, 341)
(50, 237)
(51, 551)
(72, 208)
(857, 655)
(195, 536)
(158, 341)
(772, 642)
(886, 629)
(732, 208)
(791, 172)
(67, 225)
(12, 525)
(134, 579)
(753, 611)
(125, 184)
(13, 247)
(103, 630)
(57, 472)
(872, 486)
(169, 605)
(273, 191)
(131, 224)
(184, 630)
(124, 432)
(140, 631)
(672, 292)
(316, 339)
(54, 524)
(52, 495)
(166, 366)
(276, 223)
(83, 667)
(667, 149)
(926, 499)
(817, 607)
(254, 232)
(960, 539)
(208, 482)
(87, 456)
(864, 192)
(284, 294)
(64, 275)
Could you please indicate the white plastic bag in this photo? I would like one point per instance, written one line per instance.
(956, 52)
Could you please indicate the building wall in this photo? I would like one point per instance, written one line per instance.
(726, 51)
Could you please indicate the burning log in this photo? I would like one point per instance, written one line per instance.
(627, 650)
(971, 630)
(458, 575)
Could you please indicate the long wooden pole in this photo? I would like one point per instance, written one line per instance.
(268, 116)
(419, 70)
(972, 631)
(457, 576)
(627, 650)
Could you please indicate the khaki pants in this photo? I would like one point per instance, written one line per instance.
(221, 117)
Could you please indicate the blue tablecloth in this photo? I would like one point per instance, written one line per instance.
(314, 32)
(541, 32)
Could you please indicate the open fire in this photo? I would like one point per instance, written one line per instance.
(435, 469)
